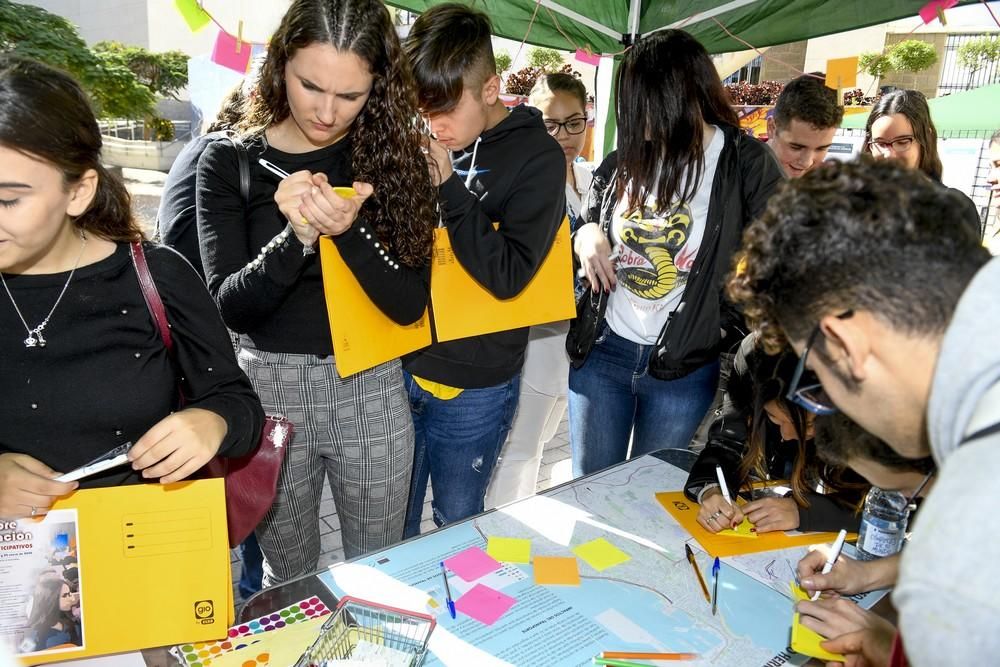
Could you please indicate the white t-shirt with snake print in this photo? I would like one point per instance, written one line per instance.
(656, 256)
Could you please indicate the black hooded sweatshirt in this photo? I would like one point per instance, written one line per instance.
(518, 180)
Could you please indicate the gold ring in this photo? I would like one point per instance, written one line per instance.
(34, 510)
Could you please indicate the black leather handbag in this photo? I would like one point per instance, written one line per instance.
(586, 326)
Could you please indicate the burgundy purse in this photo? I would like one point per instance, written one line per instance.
(251, 480)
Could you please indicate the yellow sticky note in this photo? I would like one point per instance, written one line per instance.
(745, 529)
(601, 554)
(509, 549)
(556, 570)
(195, 17)
(804, 640)
(842, 72)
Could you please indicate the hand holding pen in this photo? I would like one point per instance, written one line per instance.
(312, 206)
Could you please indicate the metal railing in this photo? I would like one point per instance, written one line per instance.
(135, 130)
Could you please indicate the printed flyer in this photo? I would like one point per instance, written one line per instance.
(40, 610)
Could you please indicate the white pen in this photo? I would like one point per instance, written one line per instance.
(273, 168)
(93, 468)
(838, 546)
(722, 484)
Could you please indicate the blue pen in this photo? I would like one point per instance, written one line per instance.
(715, 585)
(447, 592)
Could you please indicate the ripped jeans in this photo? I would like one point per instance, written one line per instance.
(457, 445)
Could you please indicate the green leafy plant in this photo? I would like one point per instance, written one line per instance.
(912, 55)
(504, 61)
(979, 53)
(548, 60)
(523, 80)
(163, 73)
(874, 64)
(160, 129)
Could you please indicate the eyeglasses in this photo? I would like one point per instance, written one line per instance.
(572, 126)
(812, 397)
(897, 145)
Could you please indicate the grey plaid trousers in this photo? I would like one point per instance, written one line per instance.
(357, 432)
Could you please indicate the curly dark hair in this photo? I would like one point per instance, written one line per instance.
(868, 235)
(386, 142)
(808, 99)
(839, 439)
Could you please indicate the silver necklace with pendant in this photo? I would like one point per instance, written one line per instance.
(35, 337)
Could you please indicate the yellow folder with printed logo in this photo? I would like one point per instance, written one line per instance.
(363, 336)
(152, 564)
(464, 308)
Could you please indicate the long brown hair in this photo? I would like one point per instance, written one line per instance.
(913, 106)
(386, 143)
(44, 113)
(667, 87)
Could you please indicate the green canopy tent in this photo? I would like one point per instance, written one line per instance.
(607, 26)
(976, 110)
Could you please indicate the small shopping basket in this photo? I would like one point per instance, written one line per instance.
(357, 620)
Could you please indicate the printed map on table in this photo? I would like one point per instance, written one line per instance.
(651, 602)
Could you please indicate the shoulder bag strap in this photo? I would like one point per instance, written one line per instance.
(151, 295)
(243, 160)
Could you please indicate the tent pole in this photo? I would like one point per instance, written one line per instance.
(633, 22)
(580, 18)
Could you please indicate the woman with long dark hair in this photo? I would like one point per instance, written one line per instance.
(761, 436)
(672, 202)
(51, 619)
(334, 106)
(900, 128)
(83, 369)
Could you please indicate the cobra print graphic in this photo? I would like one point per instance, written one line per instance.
(653, 262)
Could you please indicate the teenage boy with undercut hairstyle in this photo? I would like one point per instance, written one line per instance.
(806, 116)
(861, 267)
(491, 167)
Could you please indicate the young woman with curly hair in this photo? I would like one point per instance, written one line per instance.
(334, 106)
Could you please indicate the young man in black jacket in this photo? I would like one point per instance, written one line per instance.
(493, 168)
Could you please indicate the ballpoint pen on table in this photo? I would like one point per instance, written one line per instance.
(838, 546)
(697, 571)
(447, 592)
(645, 655)
(715, 586)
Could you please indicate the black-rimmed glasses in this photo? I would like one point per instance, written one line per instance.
(812, 397)
(898, 145)
(571, 126)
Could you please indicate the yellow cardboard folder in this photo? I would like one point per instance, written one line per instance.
(463, 307)
(721, 545)
(154, 569)
(363, 336)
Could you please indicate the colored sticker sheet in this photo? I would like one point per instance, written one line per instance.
(601, 554)
(556, 570)
(195, 17)
(484, 604)
(248, 635)
(509, 549)
(804, 640)
(717, 544)
(230, 52)
(472, 564)
(745, 529)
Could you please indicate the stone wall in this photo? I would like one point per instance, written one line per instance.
(794, 54)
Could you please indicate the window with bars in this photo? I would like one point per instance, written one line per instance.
(955, 77)
(749, 73)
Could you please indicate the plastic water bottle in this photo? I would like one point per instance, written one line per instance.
(883, 524)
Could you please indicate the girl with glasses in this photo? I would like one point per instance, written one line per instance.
(900, 128)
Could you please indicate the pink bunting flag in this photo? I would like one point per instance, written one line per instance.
(231, 53)
(935, 8)
(587, 57)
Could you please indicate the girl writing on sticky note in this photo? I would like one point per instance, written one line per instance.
(334, 106)
(761, 436)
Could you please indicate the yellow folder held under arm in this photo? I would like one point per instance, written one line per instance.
(464, 308)
(363, 336)
(153, 565)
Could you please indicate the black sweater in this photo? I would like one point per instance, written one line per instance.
(278, 302)
(104, 377)
(519, 181)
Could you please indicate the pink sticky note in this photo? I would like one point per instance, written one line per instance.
(484, 604)
(589, 58)
(929, 11)
(224, 53)
(472, 564)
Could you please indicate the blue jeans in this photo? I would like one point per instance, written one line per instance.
(612, 396)
(457, 445)
(253, 566)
